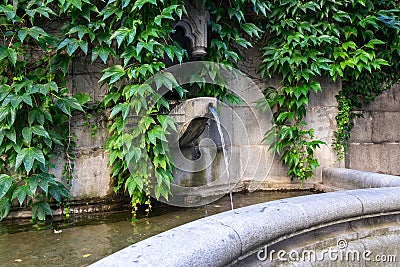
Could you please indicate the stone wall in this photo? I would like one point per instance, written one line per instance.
(250, 158)
(91, 175)
(375, 138)
(321, 114)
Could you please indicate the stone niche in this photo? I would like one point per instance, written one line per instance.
(194, 26)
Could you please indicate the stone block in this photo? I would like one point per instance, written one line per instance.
(256, 163)
(381, 158)
(327, 157)
(88, 84)
(248, 88)
(374, 205)
(58, 161)
(346, 179)
(91, 175)
(251, 61)
(278, 171)
(85, 136)
(362, 130)
(84, 65)
(326, 98)
(385, 127)
(322, 120)
(387, 101)
(249, 125)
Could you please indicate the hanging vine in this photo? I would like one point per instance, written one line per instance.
(35, 108)
(348, 39)
(301, 40)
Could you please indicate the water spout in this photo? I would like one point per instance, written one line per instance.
(193, 131)
(217, 120)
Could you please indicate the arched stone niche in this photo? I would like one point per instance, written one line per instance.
(195, 27)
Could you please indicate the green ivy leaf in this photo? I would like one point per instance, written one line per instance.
(3, 52)
(21, 193)
(60, 61)
(12, 56)
(36, 32)
(140, 3)
(371, 44)
(66, 104)
(251, 29)
(5, 184)
(28, 156)
(114, 73)
(102, 52)
(111, 97)
(156, 133)
(5, 205)
(11, 135)
(40, 209)
(166, 79)
(27, 134)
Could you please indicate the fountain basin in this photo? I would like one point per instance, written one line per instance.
(341, 178)
(229, 237)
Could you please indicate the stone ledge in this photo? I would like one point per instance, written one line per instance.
(224, 238)
(341, 178)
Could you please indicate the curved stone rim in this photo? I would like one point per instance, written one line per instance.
(222, 239)
(341, 178)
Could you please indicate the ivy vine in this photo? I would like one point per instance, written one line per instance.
(349, 39)
(35, 108)
(301, 41)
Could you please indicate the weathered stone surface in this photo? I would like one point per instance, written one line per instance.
(84, 65)
(88, 84)
(90, 133)
(382, 158)
(375, 139)
(255, 163)
(385, 127)
(362, 131)
(387, 101)
(249, 125)
(224, 238)
(322, 120)
(327, 157)
(326, 98)
(352, 179)
(278, 171)
(91, 174)
(353, 244)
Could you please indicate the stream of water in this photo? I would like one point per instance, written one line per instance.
(81, 241)
(221, 134)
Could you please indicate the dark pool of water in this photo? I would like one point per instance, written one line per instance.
(84, 240)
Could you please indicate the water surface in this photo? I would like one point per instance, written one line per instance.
(84, 240)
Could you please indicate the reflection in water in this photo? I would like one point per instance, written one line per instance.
(85, 241)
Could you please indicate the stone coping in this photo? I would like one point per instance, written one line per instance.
(222, 239)
(341, 178)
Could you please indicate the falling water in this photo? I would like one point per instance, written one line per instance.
(216, 118)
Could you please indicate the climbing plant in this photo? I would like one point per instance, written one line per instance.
(132, 39)
(301, 41)
(349, 40)
(138, 155)
(35, 107)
